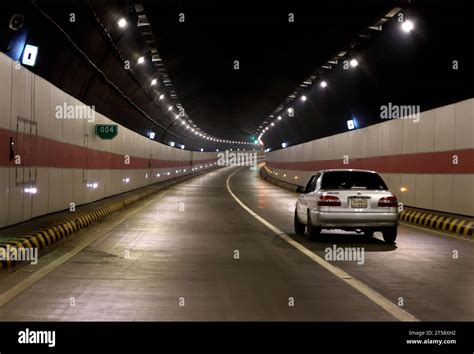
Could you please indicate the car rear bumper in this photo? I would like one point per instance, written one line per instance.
(353, 219)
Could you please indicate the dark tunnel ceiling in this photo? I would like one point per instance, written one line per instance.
(274, 55)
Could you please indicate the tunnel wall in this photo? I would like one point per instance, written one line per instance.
(63, 159)
(420, 157)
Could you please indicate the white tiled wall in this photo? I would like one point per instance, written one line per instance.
(31, 97)
(442, 129)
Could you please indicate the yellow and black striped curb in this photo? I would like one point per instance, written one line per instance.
(48, 235)
(433, 220)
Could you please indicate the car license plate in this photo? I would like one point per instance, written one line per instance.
(359, 203)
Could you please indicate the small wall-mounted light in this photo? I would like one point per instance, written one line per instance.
(30, 190)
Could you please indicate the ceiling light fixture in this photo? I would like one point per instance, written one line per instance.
(407, 26)
(122, 22)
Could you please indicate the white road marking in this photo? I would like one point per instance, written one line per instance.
(93, 233)
(373, 295)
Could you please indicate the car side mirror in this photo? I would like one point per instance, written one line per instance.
(300, 189)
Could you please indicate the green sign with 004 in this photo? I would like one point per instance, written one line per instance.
(106, 131)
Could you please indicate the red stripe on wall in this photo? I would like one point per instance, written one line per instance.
(52, 153)
(424, 162)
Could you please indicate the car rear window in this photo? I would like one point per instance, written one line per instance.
(352, 180)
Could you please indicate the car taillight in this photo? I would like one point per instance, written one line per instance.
(388, 202)
(329, 200)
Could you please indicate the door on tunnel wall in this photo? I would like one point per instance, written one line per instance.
(88, 196)
(150, 172)
(25, 163)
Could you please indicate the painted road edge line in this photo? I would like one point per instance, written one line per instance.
(373, 295)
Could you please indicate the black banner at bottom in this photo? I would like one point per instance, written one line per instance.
(135, 337)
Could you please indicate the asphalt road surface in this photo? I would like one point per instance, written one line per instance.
(221, 246)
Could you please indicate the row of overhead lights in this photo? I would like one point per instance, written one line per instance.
(406, 26)
(290, 111)
(179, 118)
(323, 84)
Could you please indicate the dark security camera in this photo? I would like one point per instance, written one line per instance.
(16, 22)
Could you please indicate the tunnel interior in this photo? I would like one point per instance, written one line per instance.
(238, 162)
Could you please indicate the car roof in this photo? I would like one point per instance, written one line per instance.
(345, 170)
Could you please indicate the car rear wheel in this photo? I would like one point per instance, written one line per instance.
(312, 232)
(390, 234)
(299, 226)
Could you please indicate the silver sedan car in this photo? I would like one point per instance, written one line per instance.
(353, 200)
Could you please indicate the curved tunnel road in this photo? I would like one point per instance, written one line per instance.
(194, 253)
